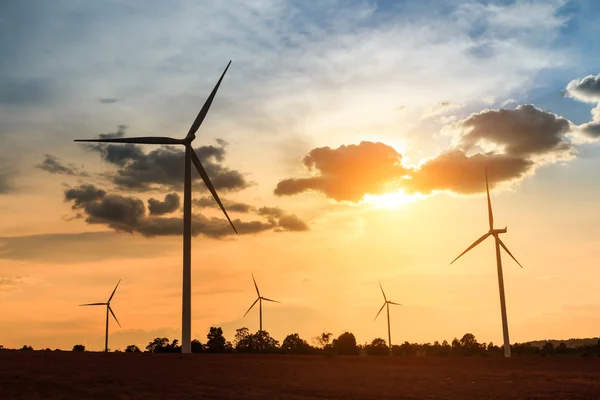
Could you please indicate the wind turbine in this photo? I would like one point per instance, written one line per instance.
(259, 300)
(108, 309)
(190, 157)
(386, 303)
(495, 232)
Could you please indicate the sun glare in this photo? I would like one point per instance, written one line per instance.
(392, 200)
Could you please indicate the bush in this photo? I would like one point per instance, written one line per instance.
(79, 347)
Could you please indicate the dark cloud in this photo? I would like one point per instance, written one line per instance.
(275, 212)
(591, 129)
(24, 92)
(6, 179)
(292, 223)
(128, 214)
(53, 165)
(348, 172)
(521, 132)
(170, 204)
(163, 167)
(454, 171)
(108, 100)
(586, 89)
(83, 194)
(233, 206)
(524, 138)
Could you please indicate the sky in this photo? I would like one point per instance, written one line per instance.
(349, 141)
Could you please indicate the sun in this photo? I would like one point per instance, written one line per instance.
(392, 200)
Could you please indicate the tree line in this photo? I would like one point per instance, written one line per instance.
(261, 342)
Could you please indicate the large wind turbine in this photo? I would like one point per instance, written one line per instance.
(495, 232)
(190, 157)
(386, 303)
(259, 300)
(108, 309)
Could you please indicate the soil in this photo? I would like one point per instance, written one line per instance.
(73, 375)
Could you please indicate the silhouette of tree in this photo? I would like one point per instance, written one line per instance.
(378, 347)
(294, 344)
(323, 339)
(243, 340)
(469, 345)
(157, 342)
(26, 348)
(548, 348)
(216, 341)
(197, 346)
(345, 344)
(132, 348)
(79, 347)
(262, 342)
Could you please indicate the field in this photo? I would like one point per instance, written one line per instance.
(71, 375)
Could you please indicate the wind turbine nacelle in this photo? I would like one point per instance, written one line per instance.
(496, 231)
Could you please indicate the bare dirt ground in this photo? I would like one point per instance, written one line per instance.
(69, 375)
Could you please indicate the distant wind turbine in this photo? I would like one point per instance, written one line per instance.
(190, 157)
(108, 309)
(495, 232)
(259, 300)
(386, 303)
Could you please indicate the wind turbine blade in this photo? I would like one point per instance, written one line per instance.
(255, 285)
(396, 304)
(481, 239)
(93, 304)
(206, 106)
(114, 316)
(138, 140)
(379, 311)
(210, 186)
(274, 301)
(385, 298)
(255, 301)
(508, 251)
(113, 293)
(487, 189)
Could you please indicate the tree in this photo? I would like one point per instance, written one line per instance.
(323, 339)
(79, 347)
(132, 348)
(378, 347)
(197, 346)
(26, 348)
(157, 343)
(345, 344)
(216, 341)
(262, 342)
(294, 344)
(242, 341)
(547, 348)
(469, 345)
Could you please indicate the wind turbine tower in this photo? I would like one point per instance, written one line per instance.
(498, 242)
(259, 299)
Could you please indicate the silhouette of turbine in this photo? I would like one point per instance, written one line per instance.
(386, 303)
(190, 157)
(108, 309)
(259, 300)
(495, 232)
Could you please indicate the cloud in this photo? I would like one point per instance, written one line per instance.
(292, 223)
(585, 89)
(108, 100)
(6, 179)
(53, 165)
(128, 214)
(274, 212)
(510, 143)
(234, 206)
(521, 132)
(454, 171)
(170, 204)
(163, 167)
(348, 172)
